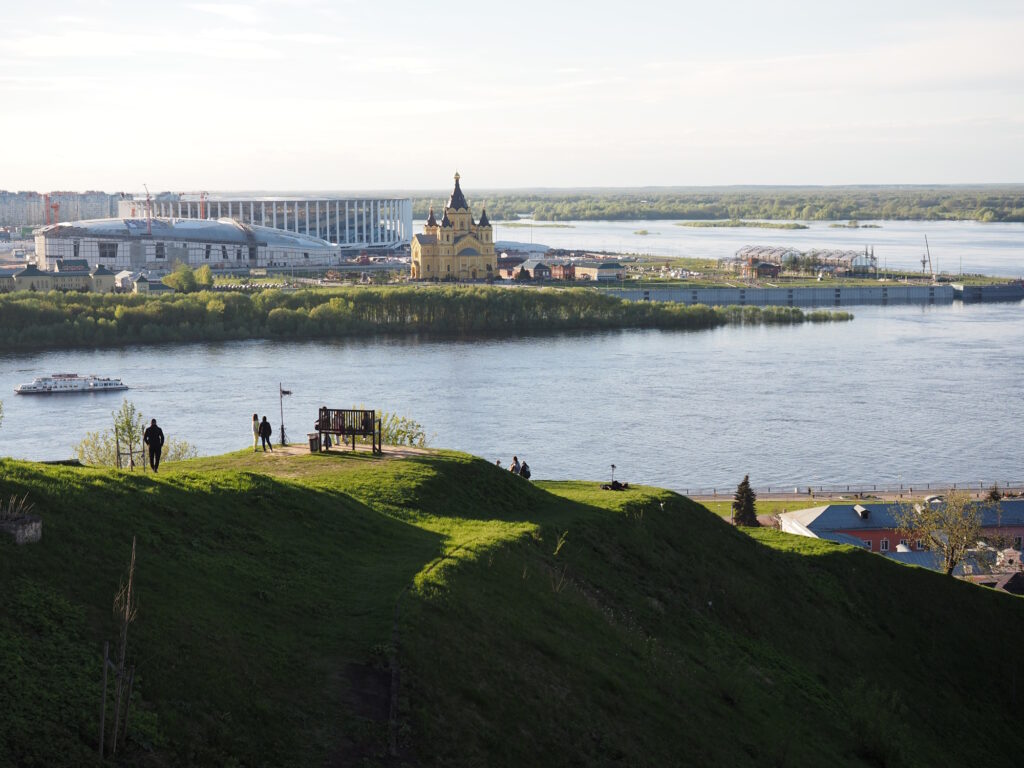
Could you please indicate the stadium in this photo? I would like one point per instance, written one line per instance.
(158, 244)
(350, 223)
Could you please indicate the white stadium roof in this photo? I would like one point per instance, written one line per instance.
(184, 230)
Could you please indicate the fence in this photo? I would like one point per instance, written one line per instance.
(973, 487)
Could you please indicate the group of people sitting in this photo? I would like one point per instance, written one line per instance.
(523, 469)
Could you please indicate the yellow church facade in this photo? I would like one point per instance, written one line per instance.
(456, 248)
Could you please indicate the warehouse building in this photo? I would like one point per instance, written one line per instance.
(120, 244)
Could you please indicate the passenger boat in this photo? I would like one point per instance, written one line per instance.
(69, 382)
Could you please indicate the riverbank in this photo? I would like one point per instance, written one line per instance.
(290, 610)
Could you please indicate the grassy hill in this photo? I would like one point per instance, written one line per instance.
(527, 624)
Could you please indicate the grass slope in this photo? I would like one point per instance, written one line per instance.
(546, 623)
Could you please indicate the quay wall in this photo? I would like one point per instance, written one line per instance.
(831, 296)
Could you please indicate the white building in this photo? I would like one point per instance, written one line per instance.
(351, 223)
(135, 244)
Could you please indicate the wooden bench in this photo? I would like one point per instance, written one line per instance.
(346, 422)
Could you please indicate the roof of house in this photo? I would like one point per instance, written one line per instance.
(31, 271)
(71, 265)
(425, 239)
(101, 270)
(820, 521)
(531, 264)
(599, 264)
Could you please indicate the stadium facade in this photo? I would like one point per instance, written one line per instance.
(377, 223)
(159, 243)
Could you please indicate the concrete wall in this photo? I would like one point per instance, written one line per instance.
(831, 296)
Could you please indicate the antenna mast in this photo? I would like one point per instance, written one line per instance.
(928, 251)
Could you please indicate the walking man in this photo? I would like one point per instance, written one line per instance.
(265, 432)
(154, 438)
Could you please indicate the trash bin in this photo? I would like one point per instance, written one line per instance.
(314, 442)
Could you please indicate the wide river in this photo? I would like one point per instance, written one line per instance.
(900, 394)
(992, 249)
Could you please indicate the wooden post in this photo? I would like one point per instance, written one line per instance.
(103, 701)
(128, 704)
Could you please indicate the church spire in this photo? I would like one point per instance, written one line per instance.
(431, 221)
(484, 221)
(457, 200)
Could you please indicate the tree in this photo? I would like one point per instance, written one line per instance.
(182, 279)
(743, 510)
(99, 449)
(949, 526)
(204, 277)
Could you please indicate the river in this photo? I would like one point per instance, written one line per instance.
(968, 246)
(902, 393)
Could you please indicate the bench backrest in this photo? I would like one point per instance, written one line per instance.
(347, 421)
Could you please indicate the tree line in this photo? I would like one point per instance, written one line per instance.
(986, 203)
(55, 319)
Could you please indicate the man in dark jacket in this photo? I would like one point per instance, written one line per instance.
(265, 432)
(154, 438)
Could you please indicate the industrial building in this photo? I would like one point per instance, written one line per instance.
(350, 223)
(119, 244)
(838, 261)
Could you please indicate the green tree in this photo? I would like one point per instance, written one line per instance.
(743, 504)
(182, 279)
(204, 277)
(949, 526)
(99, 449)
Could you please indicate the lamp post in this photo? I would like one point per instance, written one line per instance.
(281, 393)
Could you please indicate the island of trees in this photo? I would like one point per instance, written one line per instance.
(33, 321)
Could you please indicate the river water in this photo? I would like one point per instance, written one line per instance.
(901, 393)
(968, 246)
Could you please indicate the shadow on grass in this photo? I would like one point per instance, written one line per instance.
(253, 593)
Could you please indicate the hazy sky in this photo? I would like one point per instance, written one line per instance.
(346, 95)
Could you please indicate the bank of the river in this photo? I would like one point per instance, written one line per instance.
(331, 609)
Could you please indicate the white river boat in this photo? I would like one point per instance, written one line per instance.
(60, 383)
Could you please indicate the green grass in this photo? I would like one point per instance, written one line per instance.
(549, 623)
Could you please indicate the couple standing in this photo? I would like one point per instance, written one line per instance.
(261, 430)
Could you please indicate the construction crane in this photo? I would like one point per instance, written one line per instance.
(149, 211)
(926, 259)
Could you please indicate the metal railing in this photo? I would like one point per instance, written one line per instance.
(973, 487)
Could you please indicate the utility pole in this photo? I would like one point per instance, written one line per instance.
(281, 394)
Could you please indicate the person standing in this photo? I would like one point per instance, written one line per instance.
(255, 432)
(265, 432)
(153, 437)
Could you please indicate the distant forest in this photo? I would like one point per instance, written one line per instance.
(930, 203)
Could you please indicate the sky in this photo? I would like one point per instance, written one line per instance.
(344, 95)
